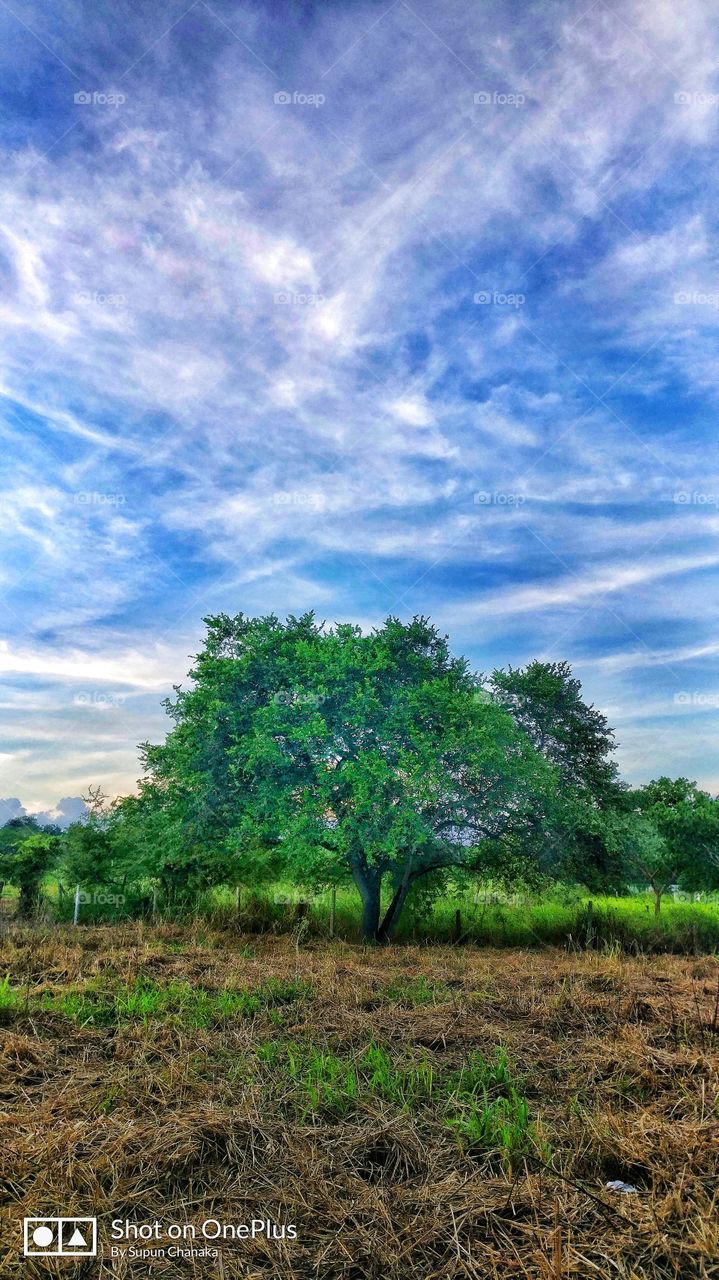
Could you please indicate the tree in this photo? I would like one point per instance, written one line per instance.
(577, 839)
(26, 855)
(545, 701)
(155, 840)
(196, 789)
(89, 857)
(677, 837)
(373, 756)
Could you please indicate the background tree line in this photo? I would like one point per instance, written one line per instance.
(327, 756)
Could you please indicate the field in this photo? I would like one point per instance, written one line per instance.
(413, 1111)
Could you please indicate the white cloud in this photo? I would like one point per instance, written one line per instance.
(413, 410)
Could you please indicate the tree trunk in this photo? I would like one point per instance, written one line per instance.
(394, 910)
(370, 917)
(27, 901)
(657, 901)
(369, 885)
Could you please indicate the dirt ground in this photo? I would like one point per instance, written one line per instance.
(147, 1117)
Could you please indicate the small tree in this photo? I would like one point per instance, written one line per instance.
(88, 855)
(674, 838)
(648, 857)
(27, 853)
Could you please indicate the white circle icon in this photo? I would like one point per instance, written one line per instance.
(42, 1237)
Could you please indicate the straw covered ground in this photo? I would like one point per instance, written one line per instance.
(411, 1112)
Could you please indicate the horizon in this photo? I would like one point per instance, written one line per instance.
(364, 309)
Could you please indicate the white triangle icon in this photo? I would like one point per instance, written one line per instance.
(77, 1241)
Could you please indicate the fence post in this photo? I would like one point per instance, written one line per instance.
(76, 913)
(333, 912)
(238, 900)
(154, 901)
(457, 925)
(590, 922)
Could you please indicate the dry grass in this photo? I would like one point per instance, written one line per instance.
(146, 1116)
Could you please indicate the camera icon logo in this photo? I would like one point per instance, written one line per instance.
(60, 1237)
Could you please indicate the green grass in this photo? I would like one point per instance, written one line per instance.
(489, 1112)
(102, 1005)
(495, 1124)
(498, 920)
(481, 1103)
(9, 1000)
(491, 918)
(482, 1075)
(411, 992)
(323, 1082)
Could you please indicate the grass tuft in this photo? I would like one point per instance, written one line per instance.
(102, 1005)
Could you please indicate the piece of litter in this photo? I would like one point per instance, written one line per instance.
(618, 1185)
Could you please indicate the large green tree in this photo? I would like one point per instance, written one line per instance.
(377, 757)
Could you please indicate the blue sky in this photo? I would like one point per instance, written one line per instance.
(368, 308)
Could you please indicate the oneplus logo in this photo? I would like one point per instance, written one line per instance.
(60, 1237)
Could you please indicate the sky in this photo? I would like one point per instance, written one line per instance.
(366, 308)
